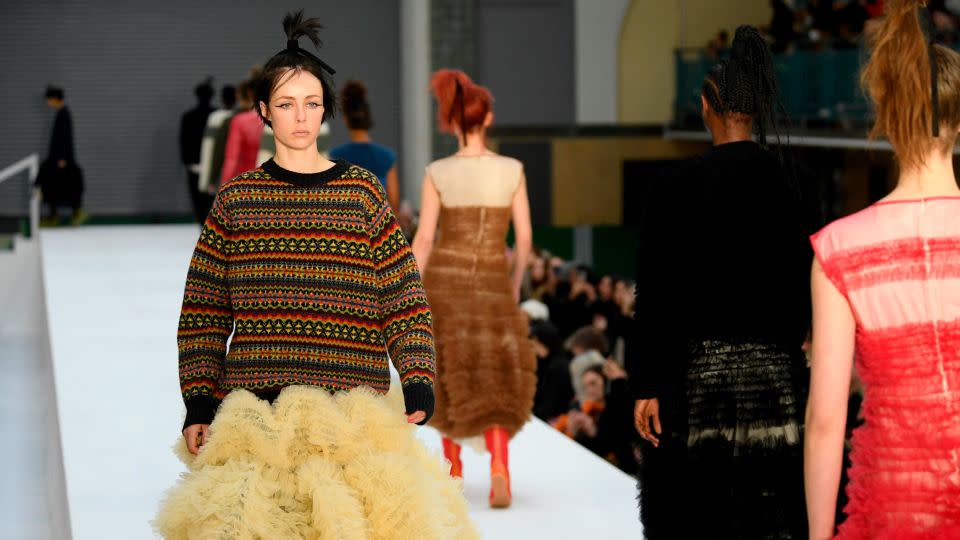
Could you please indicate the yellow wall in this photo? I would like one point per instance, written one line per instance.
(648, 37)
(588, 174)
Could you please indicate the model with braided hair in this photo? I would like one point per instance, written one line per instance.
(300, 292)
(886, 296)
(722, 311)
(486, 367)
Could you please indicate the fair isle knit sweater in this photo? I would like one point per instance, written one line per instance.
(313, 279)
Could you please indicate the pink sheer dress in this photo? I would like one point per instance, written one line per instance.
(898, 265)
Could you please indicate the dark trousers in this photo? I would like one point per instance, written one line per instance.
(60, 186)
(200, 201)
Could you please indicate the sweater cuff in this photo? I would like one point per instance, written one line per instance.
(200, 410)
(642, 391)
(418, 396)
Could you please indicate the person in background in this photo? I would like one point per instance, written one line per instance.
(214, 140)
(243, 140)
(782, 26)
(473, 197)
(192, 126)
(570, 306)
(605, 309)
(602, 418)
(588, 348)
(554, 389)
(60, 179)
(361, 150)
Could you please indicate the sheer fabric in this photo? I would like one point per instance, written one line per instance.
(898, 265)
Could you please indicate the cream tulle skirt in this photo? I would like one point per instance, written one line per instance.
(314, 465)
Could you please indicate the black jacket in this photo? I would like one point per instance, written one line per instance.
(192, 126)
(724, 253)
(61, 139)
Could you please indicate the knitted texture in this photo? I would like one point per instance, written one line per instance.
(313, 278)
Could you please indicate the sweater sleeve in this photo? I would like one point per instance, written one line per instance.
(206, 318)
(652, 355)
(405, 314)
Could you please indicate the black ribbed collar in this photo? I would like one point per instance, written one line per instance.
(305, 179)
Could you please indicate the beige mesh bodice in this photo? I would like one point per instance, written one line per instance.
(488, 180)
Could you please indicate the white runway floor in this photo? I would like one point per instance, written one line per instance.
(113, 298)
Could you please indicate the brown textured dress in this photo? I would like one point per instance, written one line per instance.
(486, 368)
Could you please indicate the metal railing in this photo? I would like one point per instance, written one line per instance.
(31, 164)
(817, 87)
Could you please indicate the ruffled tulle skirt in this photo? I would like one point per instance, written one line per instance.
(313, 465)
(730, 461)
(905, 462)
(486, 366)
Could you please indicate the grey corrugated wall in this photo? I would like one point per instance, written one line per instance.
(525, 55)
(129, 69)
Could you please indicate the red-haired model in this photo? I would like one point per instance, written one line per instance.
(886, 291)
(485, 362)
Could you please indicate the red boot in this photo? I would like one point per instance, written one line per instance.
(451, 451)
(498, 441)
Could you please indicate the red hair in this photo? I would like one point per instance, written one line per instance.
(461, 103)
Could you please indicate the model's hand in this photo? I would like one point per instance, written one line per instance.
(196, 437)
(416, 417)
(645, 412)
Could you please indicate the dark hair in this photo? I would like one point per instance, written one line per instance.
(546, 333)
(746, 84)
(295, 27)
(54, 92)
(228, 96)
(595, 369)
(247, 89)
(204, 91)
(355, 107)
(589, 338)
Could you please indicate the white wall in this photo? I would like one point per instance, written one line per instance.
(597, 45)
(415, 134)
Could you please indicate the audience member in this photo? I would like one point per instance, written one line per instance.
(192, 125)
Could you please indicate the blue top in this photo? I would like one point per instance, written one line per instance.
(373, 157)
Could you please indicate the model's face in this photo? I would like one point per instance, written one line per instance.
(296, 110)
(593, 387)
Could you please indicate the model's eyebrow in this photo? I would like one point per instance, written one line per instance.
(291, 97)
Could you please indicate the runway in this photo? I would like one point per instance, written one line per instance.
(112, 297)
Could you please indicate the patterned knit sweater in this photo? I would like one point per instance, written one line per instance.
(314, 280)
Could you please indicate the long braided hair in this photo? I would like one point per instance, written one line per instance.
(746, 84)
